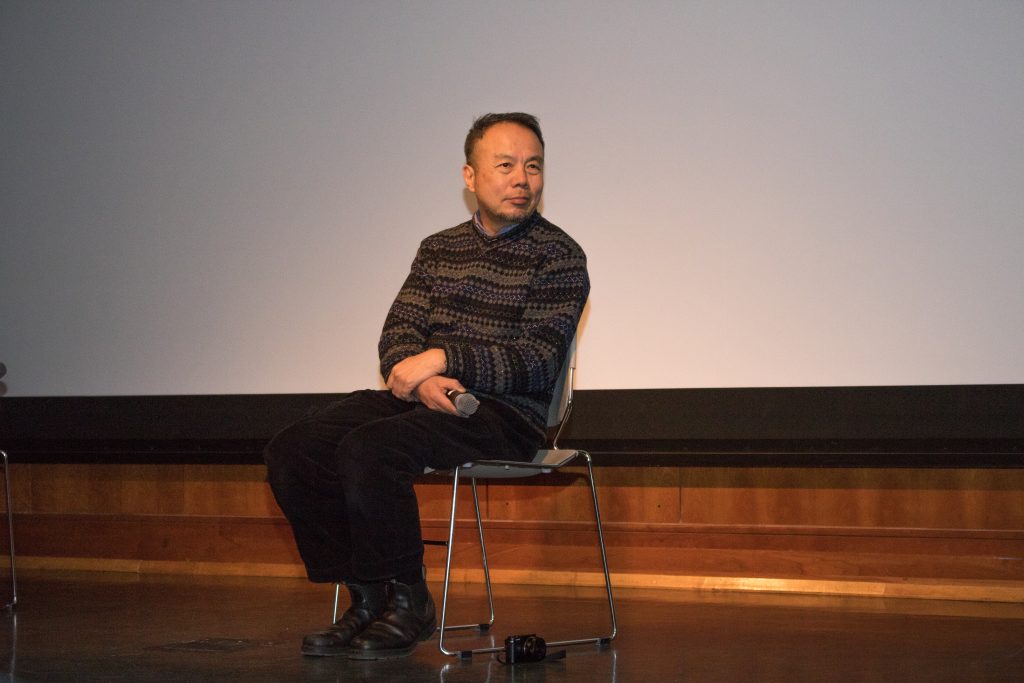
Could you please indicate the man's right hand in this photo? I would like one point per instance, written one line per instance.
(410, 373)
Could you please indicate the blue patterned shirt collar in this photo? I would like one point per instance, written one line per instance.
(480, 226)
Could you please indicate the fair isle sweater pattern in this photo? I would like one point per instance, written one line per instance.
(504, 310)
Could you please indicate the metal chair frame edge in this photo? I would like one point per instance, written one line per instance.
(10, 532)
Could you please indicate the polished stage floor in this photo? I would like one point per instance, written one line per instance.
(107, 627)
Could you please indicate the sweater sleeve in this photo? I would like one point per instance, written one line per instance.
(406, 328)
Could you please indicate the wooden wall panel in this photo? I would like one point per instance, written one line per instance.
(945, 499)
(21, 488)
(640, 494)
(66, 488)
(550, 547)
(152, 489)
(77, 536)
(902, 525)
(228, 490)
(558, 497)
(625, 494)
(434, 493)
(224, 540)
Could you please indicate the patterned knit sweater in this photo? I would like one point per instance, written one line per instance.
(504, 310)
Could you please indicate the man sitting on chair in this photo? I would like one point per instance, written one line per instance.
(489, 307)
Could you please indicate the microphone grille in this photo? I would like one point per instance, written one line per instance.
(466, 404)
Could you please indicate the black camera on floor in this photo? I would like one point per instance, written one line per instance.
(520, 649)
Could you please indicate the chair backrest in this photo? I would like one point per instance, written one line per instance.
(561, 399)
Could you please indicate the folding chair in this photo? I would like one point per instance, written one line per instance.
(545, 462)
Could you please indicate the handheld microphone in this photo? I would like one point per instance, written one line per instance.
(465, 402)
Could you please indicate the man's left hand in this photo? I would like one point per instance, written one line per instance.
(433, 393)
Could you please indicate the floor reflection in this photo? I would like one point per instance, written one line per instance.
(101, 627)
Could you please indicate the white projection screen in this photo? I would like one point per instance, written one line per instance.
(224, 196)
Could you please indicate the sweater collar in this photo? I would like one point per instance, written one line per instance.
(508, 229)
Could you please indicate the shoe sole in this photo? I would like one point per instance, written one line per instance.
(326, 652)
(395, 653)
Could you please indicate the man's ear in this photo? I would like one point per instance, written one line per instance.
(469, 175)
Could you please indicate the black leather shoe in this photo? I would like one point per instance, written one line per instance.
(410, 618)
(369, 601)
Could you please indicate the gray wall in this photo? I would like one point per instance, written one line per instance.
(222, 197)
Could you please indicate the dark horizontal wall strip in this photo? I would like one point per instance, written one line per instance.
(925, 426)
(803, 413)
(216, 418)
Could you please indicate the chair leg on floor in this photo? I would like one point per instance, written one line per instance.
(601, 640)
(483, 559)
(482, 627)
(442, 628)
(10, 532)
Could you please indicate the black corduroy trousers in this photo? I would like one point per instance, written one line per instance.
(344, 477)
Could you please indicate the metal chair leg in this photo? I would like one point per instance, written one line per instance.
(448, 565)
(483, 560)
(483, 626)
(601, 640)
(466, 654)
(10, 532)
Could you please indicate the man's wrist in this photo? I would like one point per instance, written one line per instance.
(441, 360)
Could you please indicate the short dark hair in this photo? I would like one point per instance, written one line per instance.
(482, 123)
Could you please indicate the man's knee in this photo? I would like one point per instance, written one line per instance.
(275, 453)
(379, 451)
(286, 448)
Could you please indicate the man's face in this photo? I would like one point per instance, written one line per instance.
(506, 173)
